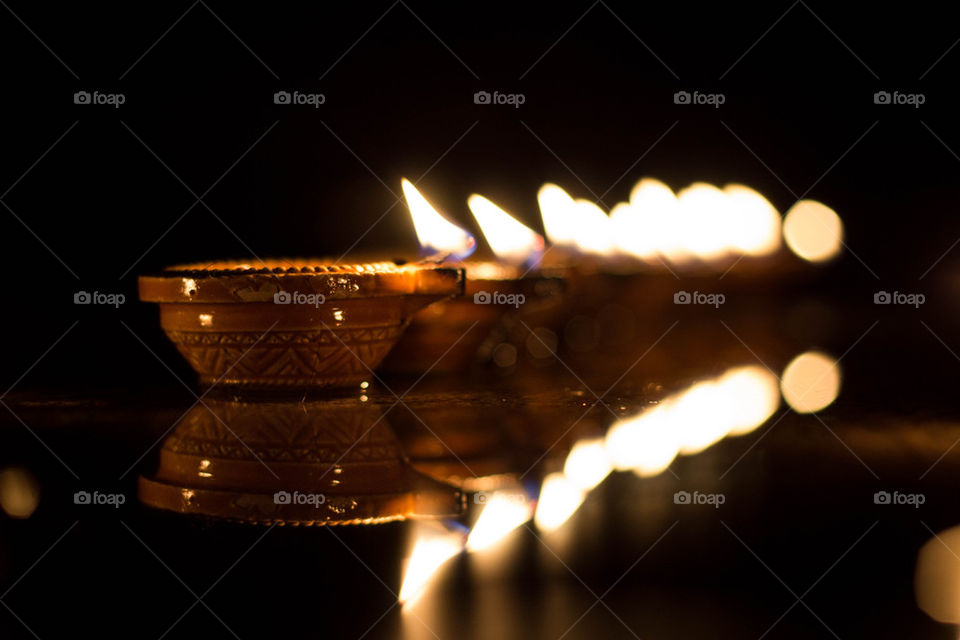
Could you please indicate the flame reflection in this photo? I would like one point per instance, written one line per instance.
(433, 230)
(937, 581)
(810, 382)
(560, 498)
(688, 422)
(587, 464)
(433, 545)
(813, 231)
(510, 239)
(502, 512)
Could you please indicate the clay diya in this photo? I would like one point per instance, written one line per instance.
(499, 303)
(290, 463)
(296, 323)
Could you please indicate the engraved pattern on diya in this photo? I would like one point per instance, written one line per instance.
(291, 323)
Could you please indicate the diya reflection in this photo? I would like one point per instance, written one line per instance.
(293, 463)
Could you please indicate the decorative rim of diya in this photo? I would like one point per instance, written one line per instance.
(235, 281)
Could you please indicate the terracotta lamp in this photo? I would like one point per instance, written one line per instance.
(502, 294)
(296, 323)
(289, 463)
(499, 303)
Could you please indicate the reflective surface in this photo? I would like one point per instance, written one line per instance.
(693, 499)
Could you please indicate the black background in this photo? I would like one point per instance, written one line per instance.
(598, 82)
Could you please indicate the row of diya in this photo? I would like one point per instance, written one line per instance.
(294, 323)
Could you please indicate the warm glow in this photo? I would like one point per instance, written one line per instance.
(433, 546)
(587, 464)
(705, 213)
(559, 499)
(813, 231)
(511, 240)
(433, 230)
(688, 422)
(591, 228)
(755, 226)
(700, 221)
(754, 395)
(646, 443)
(556, 207)
(578, 223)
(19, 492)
(937, 581)
(503, 512)
(810, 382)
(648, 225)
(701, 416)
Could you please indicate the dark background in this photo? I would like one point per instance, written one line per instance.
(115, 196)
(400, 103)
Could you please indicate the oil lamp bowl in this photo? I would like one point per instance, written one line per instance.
(292, 323)
(449, 336)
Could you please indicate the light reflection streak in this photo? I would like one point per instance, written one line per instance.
(684, 423)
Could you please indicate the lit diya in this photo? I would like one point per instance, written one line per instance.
(292, 463)
(296, 323)
(507, 294)
(663, 243)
